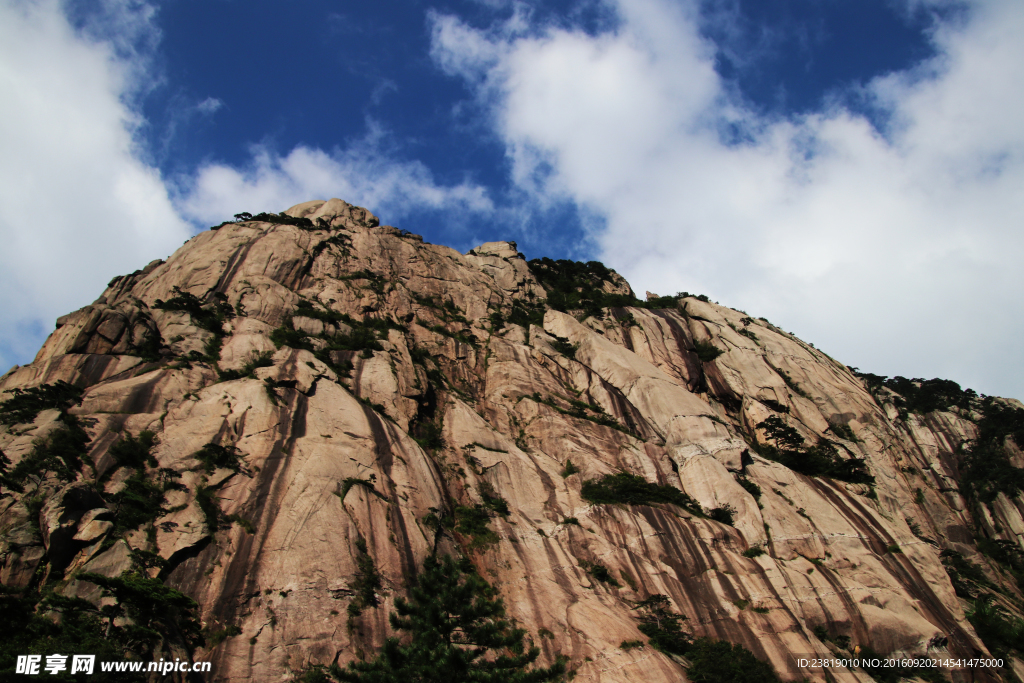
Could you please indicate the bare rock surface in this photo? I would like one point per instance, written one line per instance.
(363, 387)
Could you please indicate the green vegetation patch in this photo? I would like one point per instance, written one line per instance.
(214, 456)
(206, 500)
(526, 313)
(340, 240)
(565, 347)
(26, 404)
(629, 489)
(750, 487)
(360, 338)
(62, 453)
(1007, 553)
(349, 482)
(966, 576)
(45, 623)
(574, 285)
(6, 480)
(452, 616)
(461, 336)
(208, 316)
(248, 369)
(706, 351)
(492, 500)
(843, 432)
(447, 310)
(429, 435)
(718, 661)
(218, 636)
(663, 626)
(723, 514)
(139, 502)
(821, 460)
(78, 627)
(131, 451)
(377, 282)
(306, 309)
(364, 335)
(1001, 633)
(278, 219)
(749, 334)
(367, 583)
(475, 522)
(579, 286)
(152, 608)
(921, 395)
(598, 571)
(986, 469)
(583, 411)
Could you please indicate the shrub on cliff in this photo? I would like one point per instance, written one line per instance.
(633, 490)
(711, 661)
(820, 460)
(147, 621)
(723, 514)
(457, 631)
(706, 351)
(62, 452)
(718, 661)
(209, 316)
(663, 626)
(25, 404)
(37, 625)
(147, 612)
(987, 469)
(131, 451)
(276, 218)
(1000, 632)
(213, 456)
(474, 522)
(575, 286)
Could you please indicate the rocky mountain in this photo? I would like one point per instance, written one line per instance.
(284, 419)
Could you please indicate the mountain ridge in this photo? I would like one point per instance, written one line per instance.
(331, 400)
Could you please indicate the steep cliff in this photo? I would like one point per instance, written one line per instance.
(287, 416)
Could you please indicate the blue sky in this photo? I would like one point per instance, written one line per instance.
(849, 169)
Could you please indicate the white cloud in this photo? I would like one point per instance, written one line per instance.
(899, 252)
(79, 200)
(209, 106)
(77, 205)
(362, 174)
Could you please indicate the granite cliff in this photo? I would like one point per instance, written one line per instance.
(287, 416)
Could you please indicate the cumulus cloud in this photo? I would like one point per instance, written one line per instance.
(364, 173)
(77, 204)
(81, 199)
(894, 247)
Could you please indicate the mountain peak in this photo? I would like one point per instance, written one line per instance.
(285, 418)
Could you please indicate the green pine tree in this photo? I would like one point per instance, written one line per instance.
(718, 661)
(459, 635)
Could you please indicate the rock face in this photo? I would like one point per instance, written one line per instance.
(368, 392)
